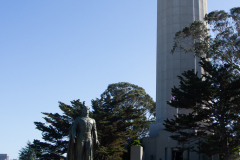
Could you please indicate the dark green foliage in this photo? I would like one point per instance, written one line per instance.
(55, 134)
(213, 119)
(213, 98)
(128, 145)
(27, 153)
(122, 112)
(136, 142)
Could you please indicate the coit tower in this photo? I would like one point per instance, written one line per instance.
(173, 16)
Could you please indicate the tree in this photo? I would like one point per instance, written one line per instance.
(219, 40)
(213, 102)
(27, 153)
(55, 134)
(123, 111)
(212, 98)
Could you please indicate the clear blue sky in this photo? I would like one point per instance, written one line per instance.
(61, 50)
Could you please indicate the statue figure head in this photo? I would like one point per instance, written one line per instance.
(85, 111)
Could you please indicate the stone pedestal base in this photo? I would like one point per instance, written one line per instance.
(136, 153)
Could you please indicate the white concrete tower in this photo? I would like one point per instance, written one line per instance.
(172, 16)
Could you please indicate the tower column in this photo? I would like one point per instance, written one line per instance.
(172, 16)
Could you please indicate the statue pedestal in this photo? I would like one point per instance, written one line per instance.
(136, 153)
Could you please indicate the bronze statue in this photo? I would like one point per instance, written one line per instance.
(82, 137)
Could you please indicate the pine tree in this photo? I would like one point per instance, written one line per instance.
(213, 102)
(27, 153)
(212, 98)
(55, 134)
